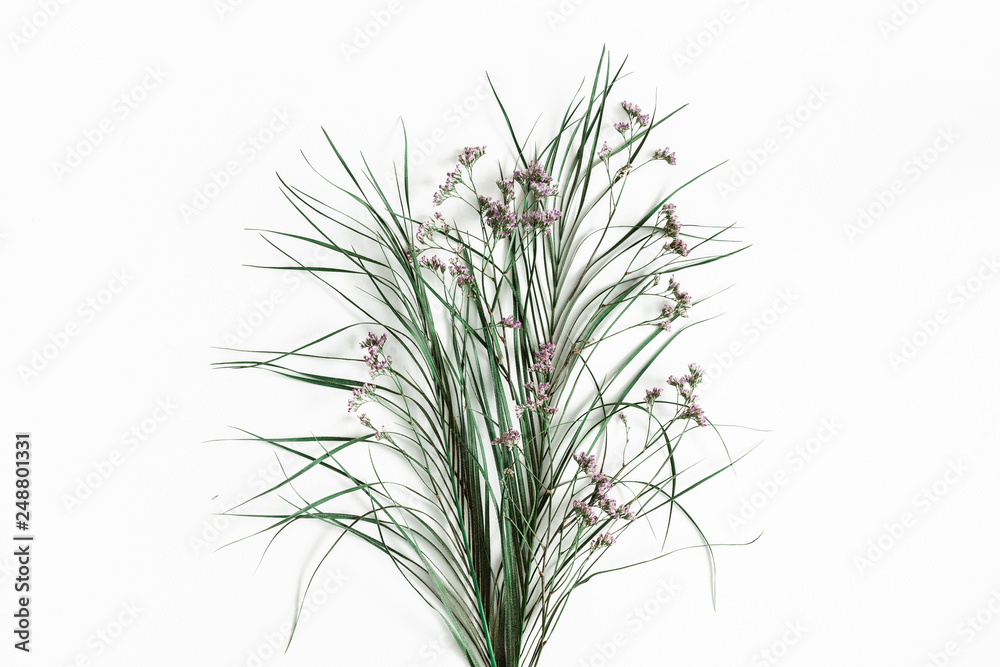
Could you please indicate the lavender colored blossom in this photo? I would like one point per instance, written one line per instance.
(602, 483)
(652, 395)
(360, 395)
(672, 225)
(543, 358)
(587, 463)
(506, 188)
(540, 220)
(623, 126)
(602, 540)
(498, 215)
(694, 411)
(536, 181)
(509, 321)
(460, 272)
(676, 246)
(508, 439)
(425, 231)
(468, 157)
(635, 113)
(447, 189)
(666, 155)
(586, 514)
(605, 153)
(434, 263)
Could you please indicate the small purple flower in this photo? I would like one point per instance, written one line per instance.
(433, 263)
(635, 113)
(468, 157)
(623, 126)
(605, 153)
(425, 231)
(602, 483)
(506, 188)
(498, 215)
(360, 395)
(665, 154)
(540, 220)
(447, 189)
(509, 321)
(652, 395)
(694, 411)
(460, 272)
(602, 540)
(536, 181)
(588, 464)
(508, 439)
(586, 514)
(677, 246)
(543, 358)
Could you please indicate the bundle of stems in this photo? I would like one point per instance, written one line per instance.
(505, 338)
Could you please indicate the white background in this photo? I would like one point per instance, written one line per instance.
(817, 309)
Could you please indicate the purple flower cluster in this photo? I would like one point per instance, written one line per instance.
(508, 439)
(460, 271)
(377, 362)
(635, 113)
(605, 153)
(468, 157)
(665, 154)
(541, 220)
(426, 230)
(602, 485)
(623, 126)
(587, 463)
(540, 390)
(543, 358)
(359, 396)
(602, 540)
(509, 321)
(584, 511)
(672, 228)
(652, 395)
(433, 263)
(680, 307)
(536, 181)
(447, 189)
(498, 215)
(668, 213)
(685, 387)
